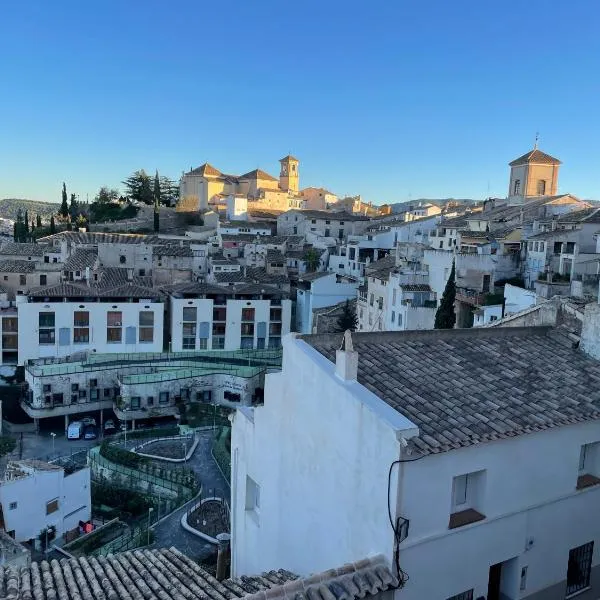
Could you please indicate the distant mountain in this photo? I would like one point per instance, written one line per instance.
(398, 207)
(10, 206)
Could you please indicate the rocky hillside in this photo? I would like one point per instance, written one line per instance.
(10, 206)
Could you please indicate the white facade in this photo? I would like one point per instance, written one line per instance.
(37, 495)
(318, 292)
(237, 208)
(517, 299)
(56, 329)
(336, 488)
(487, 314)
(220, 326)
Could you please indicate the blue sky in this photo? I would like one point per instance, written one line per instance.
(392, 100)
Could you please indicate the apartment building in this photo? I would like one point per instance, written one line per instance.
(71, 317)
(488, 481)
(205, 316)
(325, 224)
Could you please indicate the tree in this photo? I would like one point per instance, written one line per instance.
(169, 191)
(348, 318)
(74, 208)
(63, 211)
(15, 232)
(138, 187)
(52, 225)
(445, 317)
(20, 229)
(26, 225)
(38, 221)
(156, 216)
(156, 191)
(312, 258)
(106, 196)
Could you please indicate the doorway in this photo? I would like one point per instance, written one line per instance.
(503, 580)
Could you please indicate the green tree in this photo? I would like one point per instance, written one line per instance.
(169, 191)
(445, 317)
(156, 216)
(38, 221)
(139, 188)
(348, 318)
(73, 208)
(312, 258)
(52, 225)
(20, 232)
(15, 232)
(156, 191)
(63, 211)
(26, 226)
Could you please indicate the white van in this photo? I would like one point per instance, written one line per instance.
(74, 430)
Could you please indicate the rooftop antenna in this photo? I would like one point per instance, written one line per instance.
(537, 137)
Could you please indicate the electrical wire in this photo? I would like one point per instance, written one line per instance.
(402, 575)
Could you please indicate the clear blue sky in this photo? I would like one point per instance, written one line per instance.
(390, 99)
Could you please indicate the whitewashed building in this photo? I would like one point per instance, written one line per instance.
(317, 290)
(321, 223)
(468, 458)
(72, 317)
(37, 497)
(205, 316)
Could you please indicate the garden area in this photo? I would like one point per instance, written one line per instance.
(222, 451)
(176, 449)
(200, 414)
(210, 517)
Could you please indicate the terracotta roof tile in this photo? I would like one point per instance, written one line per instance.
(535, 156)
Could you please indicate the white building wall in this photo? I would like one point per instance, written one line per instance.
(517, 299)
(487, 314)
(234, 318)
(330, 508)
(33, 492)
(28, 313)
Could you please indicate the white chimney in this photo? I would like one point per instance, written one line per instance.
(346, 359)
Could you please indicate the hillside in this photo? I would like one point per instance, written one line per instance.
(10, 206)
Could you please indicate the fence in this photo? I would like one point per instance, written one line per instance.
(221, 451)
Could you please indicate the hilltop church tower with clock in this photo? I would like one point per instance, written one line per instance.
(288, 176)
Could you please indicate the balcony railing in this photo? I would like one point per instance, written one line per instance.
(470, 296)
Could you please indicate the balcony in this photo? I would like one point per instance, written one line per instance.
(469, 296)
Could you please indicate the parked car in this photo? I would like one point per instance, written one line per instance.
(89, 421)
(90, 433)
(74, 430)
(109, 426)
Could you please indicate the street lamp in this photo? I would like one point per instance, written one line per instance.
(150, 509)
(53, 435)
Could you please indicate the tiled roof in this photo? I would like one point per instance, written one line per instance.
(82, 290)
(97, 237)
(467, 233)
(381, 268)
(331, 216)
(275, 255)
(256, 275)
(130, 290)
(229, 277)
(172, 250)
(466, 386)
(170, 575)
(81, 259)
(258, 174)
(247, 224)
(415, 287)
(205, 170)
(314, 275)
(587, 215)
(16, 266)
(256, 289)
(288, 157)
(198, 288)
(24, 249)
(535, 156)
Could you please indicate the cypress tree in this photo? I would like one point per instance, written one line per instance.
(52, 225)
(15, 232)
(445, 317)
(26, 230)
(63, 211)
(74, 208)
(38, 221)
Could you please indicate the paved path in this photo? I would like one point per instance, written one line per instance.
(169, 532)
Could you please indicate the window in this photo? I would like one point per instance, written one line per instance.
(142, 272)
(467, 498)
(163, 398)
(274, 328)
(135, 402)
(327, 232)
(588, 466)
(47, 388)
(468, 595)
(570, 248)
(146, 321)
(218, 342)
(189, 313)
(46, 259)
(247, 329)
(220, 313)
(393, 315)
(247, 314)
(275, 314)
(252, 495)
(81, 327)
(46, 328)
(22, 279)
(74, 387)
(203, 344)
(12, 506)
(541, 187)
(274, 342)
(122, 259)
(150, 401)
(93, 383)
(517, 187)
(94, 394)
(43, 279)
(394, 297)
(82, 394)
(579, 568)
(52, 506)
(189, 336)
(557, 247)
(107, 392)
(371, 299)
(114, 327)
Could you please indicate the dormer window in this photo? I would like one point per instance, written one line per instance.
(517, 187)
(541, 187)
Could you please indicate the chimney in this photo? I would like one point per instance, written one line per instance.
(129, 274)
(223, 551)
(346, 359)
